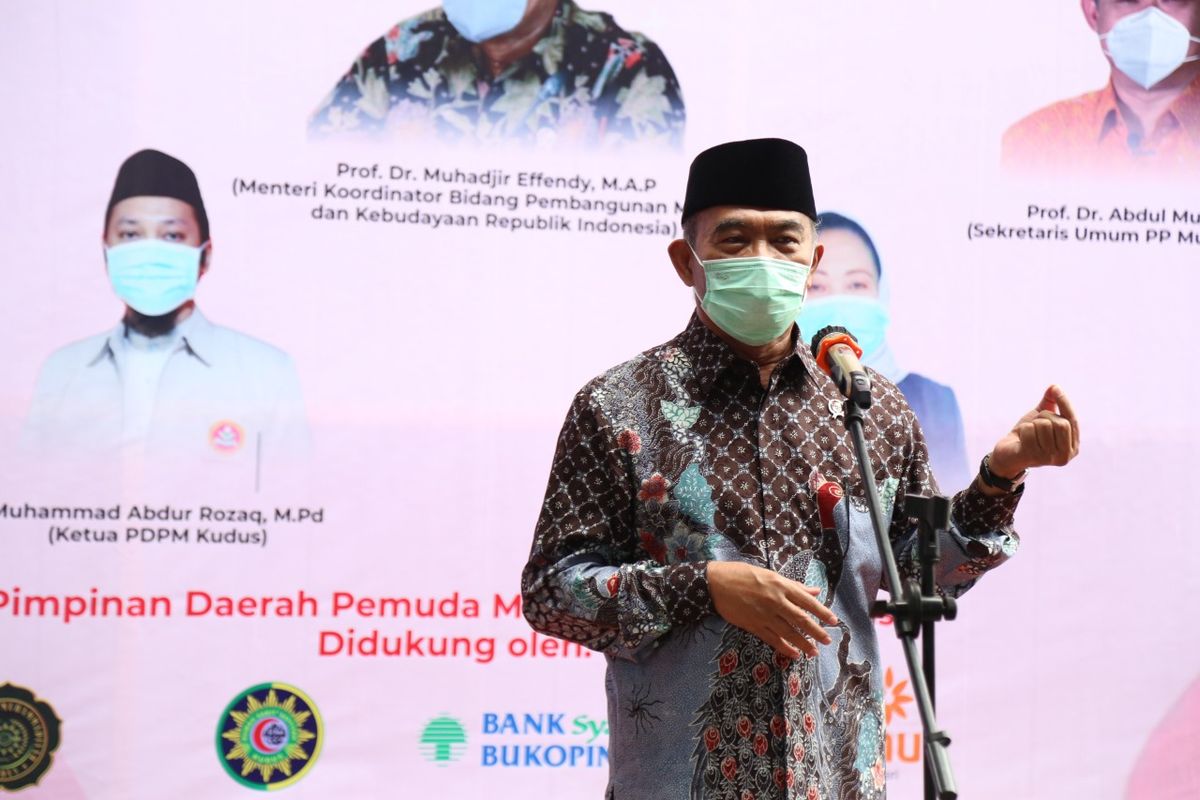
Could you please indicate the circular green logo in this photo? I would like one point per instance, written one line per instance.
(443, 740)
(269, 737)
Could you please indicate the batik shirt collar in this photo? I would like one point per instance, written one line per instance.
(712, 358)
(459, 50)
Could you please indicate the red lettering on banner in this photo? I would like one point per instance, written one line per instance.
(68, 607)
(534, 646)
(201, 604)
(410, 644)
(449, 607)
(511, 609)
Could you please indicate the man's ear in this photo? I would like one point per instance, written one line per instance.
(818, 254)
(205, 258)
(1091, 13)
(681, 259)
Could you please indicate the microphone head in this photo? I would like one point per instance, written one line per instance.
(826, 339)
(846, 372)
(827, 331)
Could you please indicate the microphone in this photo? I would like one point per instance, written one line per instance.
(837, 352)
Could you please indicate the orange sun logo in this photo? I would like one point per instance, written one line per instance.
(895, 691)
(226, 436)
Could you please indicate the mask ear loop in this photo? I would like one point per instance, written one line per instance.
(699, 261)
(1104, 49)
(809, 270)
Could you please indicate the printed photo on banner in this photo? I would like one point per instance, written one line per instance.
(1168, 767)
(849, 289)
(165, 383)
(533, 72)
(1146, 120)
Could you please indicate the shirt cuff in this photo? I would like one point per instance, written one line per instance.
(977, 513)
(686, 599)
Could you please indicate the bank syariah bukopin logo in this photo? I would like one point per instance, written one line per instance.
(522, 740)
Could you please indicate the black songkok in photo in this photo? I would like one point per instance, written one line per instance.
(150, 173)
(762, 173)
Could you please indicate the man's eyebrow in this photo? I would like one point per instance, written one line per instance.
(733, 223)
(164, 220)
(792, 226)
(729, 224)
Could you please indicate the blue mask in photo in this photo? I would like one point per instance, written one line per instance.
(153, 277)
(480, 20)
(864, 317)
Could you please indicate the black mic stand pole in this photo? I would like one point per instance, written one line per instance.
(914, 609)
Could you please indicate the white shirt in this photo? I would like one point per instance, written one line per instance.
(143, 360)
(211, 400)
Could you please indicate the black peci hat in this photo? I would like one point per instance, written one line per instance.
(150, 173)
(764, 173)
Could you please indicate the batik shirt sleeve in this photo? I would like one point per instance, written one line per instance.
(981, 535)
(636, 93)
(587, 579)
(388, 77)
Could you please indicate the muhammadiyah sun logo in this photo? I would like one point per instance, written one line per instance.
(269, 737)
(28, 737)
(895, 706)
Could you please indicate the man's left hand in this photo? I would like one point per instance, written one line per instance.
(1046, 436)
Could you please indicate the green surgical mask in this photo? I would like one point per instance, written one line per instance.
(755, 299)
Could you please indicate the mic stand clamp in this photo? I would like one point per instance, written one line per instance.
(914, 608)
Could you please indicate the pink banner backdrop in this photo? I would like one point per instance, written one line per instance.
(441, 302)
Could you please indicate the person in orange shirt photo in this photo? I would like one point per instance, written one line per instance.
(1147, 119)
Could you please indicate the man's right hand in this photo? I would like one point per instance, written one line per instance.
(776, 609)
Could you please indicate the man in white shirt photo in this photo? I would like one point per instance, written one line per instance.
(165, 381)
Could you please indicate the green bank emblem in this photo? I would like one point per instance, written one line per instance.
(269, 737)
(29, 731)
(443, 740)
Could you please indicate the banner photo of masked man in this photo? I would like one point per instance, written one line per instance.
(166, 385)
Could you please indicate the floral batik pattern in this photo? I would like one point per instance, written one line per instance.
(680, 457)
(587, 82)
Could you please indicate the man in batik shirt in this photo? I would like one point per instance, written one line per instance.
(542, 72)
(704, 524)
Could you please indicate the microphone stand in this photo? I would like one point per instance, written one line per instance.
(914, 609)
